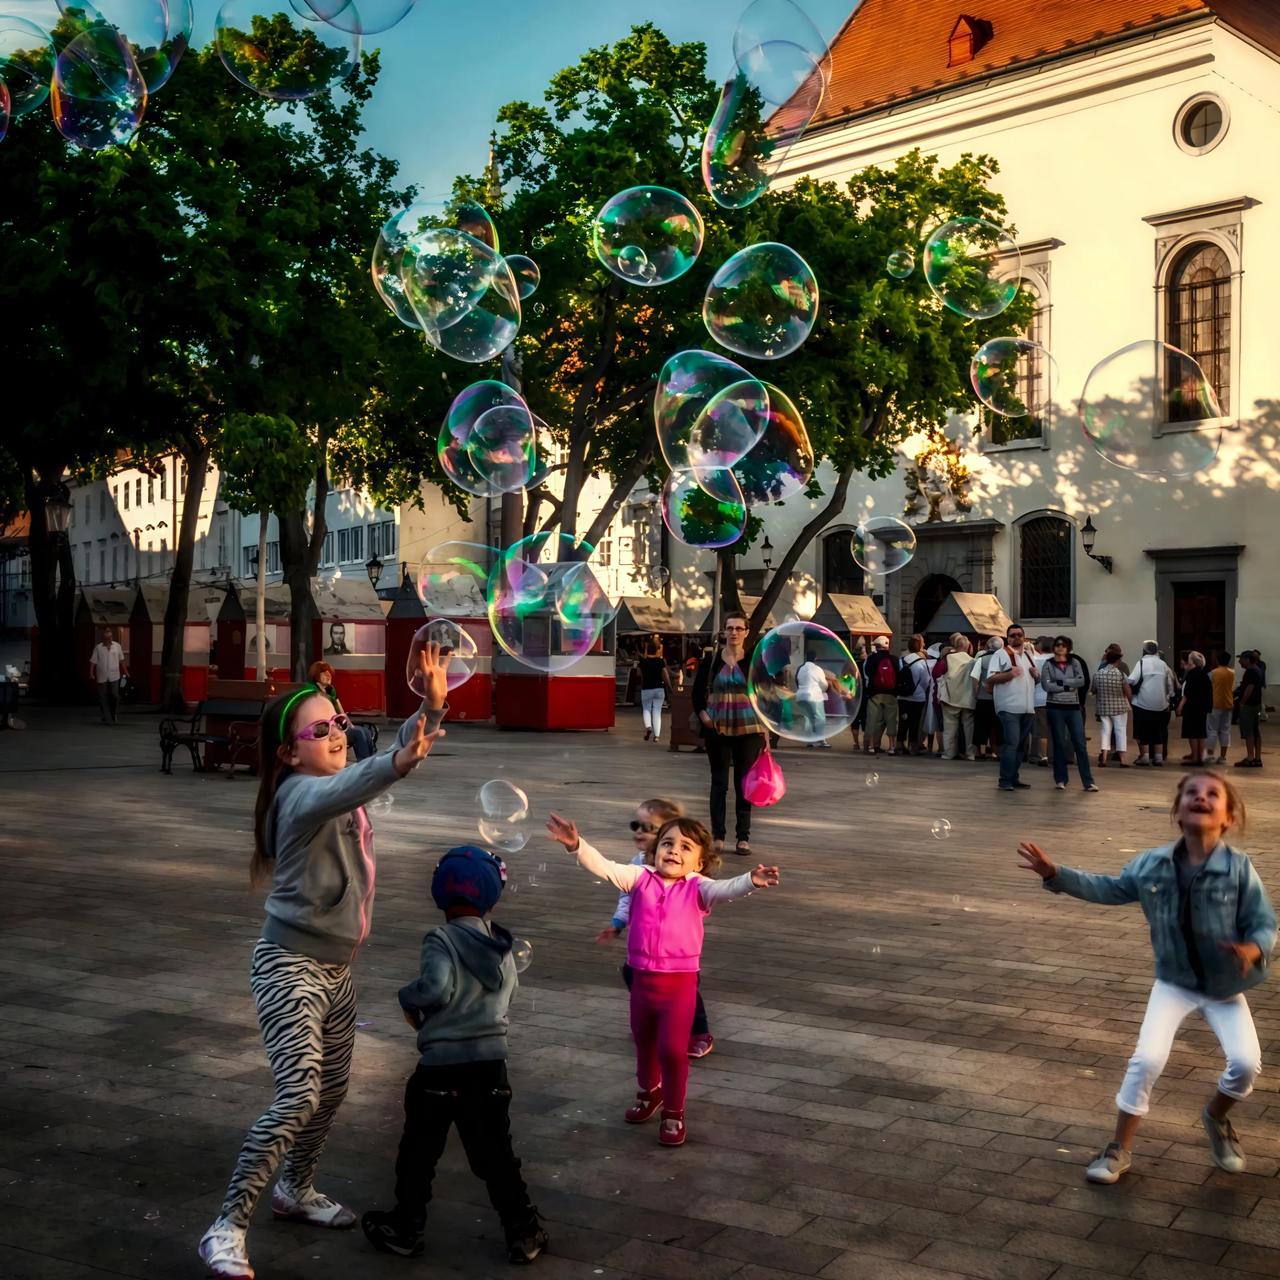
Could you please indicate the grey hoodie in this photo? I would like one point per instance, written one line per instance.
(321, 902)
(467, 981)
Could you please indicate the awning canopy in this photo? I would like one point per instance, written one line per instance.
(643, 615)
(970, 612)
(851, 616)
(107, 606)
(748, 607)
(347, 600)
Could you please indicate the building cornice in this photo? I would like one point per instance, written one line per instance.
(1201, 212)
(1187, 553)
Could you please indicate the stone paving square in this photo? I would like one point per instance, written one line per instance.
(917, 1049)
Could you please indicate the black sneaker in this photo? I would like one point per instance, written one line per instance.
(1022, 786)
(526, 1242)
(392, 1232)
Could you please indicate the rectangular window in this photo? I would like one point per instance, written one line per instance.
(182, 476)
(164, 551)
(115, 494)
(115, 565)
(246, 562)
(151, 488)
(273, 557)
(163, 481)
(102, 503)
(204, 543)
(88, 548)
(127, 487)
(137, 492)
(102, 562)
(326, 549)
(222, 545)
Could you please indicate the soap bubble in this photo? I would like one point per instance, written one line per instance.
(400, 230)
(656, 578)
(581, 598)
(279, 54)
(696, 518)
(872, 779)
(780, 463)
(453, 577)
(380, 803)
(803, 682)
(689, 381)
(486, 443)
(762, 302)
(1008, 376)
(972, 265)
(521, 953)
(940, 829)
(5, 110)
(158, 31)
(728, 427)
(463, 653)
(359, 17)
(26, 63)
(780, 77)
(506, 835)
(647, 235)
(1133, 405)
(900, 264)
(883, 544)
(501, 798)
(527, 273)
(98, 96)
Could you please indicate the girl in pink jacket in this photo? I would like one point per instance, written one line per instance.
(664, 949)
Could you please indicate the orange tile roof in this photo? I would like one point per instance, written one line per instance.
(892, 50)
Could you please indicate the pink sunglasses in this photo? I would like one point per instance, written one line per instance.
(323, 728)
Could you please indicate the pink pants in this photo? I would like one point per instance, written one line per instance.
(661, 1020)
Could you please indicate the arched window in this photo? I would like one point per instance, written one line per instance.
(841, 573)
(1031, 376)
(1045, 570)
(1198, 322)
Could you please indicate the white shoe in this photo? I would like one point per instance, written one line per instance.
(311, 1206)
(224, 1252)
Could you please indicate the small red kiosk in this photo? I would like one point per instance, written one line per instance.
(96, 608)
(236, 633)
(350, 635)
(146, 639)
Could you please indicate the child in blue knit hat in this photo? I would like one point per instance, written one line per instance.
(458, 1006)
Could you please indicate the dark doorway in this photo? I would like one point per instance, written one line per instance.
(1199, 618)
(930, 595)
(841, 573)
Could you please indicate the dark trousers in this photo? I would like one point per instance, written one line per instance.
(474, 1096)
(741, 751)
(701, 1027)
(1015, 729)
(361, 741)
(909, 716)
(109, 699)
(1066, 728)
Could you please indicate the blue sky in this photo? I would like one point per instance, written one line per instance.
(449, 66)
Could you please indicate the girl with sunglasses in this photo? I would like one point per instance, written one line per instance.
(312, 835)
(645, 824)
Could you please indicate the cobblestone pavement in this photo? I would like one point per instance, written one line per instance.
(916, 1053)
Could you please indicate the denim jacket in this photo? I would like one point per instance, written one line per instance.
(1228, 904)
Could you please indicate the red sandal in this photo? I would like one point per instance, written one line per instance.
(647, 1103)
(671, 1131)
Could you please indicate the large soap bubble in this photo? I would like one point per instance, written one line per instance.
(763, 302)
(486, 443)
(781, 462)
(453, 577)
(973, 266)
(158, 31)
(583, 598)
(1138, 405)
(501, 798)
(900, 263)
(696, 517)
(765, 24)
(359, 17)
(1013, 376)
(463, 294)
(98, 96)
(527, 273)
(26, 63)
(803, 682)
(883, 544)
(647, 235)
(453, 639)
(687, 384)
(278, 54)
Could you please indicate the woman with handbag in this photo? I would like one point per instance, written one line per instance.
(1154, 688)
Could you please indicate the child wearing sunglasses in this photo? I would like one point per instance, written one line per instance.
(311, 833)
(645, 822)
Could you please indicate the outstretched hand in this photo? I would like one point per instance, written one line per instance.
(765, 877)
(563, 831)
(606, 936)
(430, 668)
(412, 754)
(1035, 859)
(1245, 954)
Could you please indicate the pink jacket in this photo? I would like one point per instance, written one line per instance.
(665, 930)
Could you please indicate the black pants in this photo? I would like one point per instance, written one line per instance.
(476, 1097)
(701, 1027)
(909, 717)
(741, 750)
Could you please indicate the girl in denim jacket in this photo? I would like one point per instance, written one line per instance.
(1213, 930)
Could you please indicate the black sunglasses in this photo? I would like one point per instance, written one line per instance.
(647, 827)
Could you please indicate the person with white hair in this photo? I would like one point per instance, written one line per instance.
(958, 697)
(1154, 687)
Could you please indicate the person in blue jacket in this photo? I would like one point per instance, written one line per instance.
(1213, 931)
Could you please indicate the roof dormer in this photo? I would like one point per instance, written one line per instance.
(966, 38)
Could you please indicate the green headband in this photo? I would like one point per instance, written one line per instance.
(305, 691)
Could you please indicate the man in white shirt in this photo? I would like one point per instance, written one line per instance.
(812, 684)
(106, 666)
(1153, 687)
(1011, 677)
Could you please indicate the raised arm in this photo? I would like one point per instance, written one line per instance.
(623, 876)
(714, 891)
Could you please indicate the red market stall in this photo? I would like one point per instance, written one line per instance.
(146, 632)
(96, 608)
(404, 618)
(350, 635)
(235, 654)
(460, 600)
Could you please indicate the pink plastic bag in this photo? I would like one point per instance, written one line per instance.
(764, 784)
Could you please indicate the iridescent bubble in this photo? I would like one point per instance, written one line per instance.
(763, 302)
(501, 798)
(26, 63)
(872, 779)
(521, 953)
(462, 293)
(158, 31)
(454, 445)
(972, 266)
(729, 426)
(698, 519)
(501, 447)
(453, 577)
(506, 835)
(900, 263)
(803, 682)
(781, 462)
(940, 828)
(380, 804)
(1013, 376)
(278, 54)
(582, 597)
(98, 96)
(883, 544)
(647, 235)
(360, 17)
(772, 22)
(453, 639)
(1139, 406)
(527, 273)
(689, 381)
(5, 110)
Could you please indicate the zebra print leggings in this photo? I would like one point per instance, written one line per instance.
(307, 1011)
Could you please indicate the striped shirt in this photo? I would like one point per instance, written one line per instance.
(729, 706)
(1108, 688)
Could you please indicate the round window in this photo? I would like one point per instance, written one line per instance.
(1201, 124)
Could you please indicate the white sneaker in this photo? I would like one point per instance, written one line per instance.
(224, 1252)
(310, 1206)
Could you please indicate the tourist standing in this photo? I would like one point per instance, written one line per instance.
(1249, 699)
(1153, 688)
(1194, 707)
(731, 731)
(655, 684)
(1012, 679)
(1066, 682)
(957, 694)
(106, 666)
(881, 682)
(1111, 699)
(1218, 725)
(985, 726)
(912, 690)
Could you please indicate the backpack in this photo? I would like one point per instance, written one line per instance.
(883, 677)
(906, 685)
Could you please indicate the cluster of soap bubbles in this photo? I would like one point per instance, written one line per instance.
(730, 440)
(437, 267)
(488, 441)
(803, 682)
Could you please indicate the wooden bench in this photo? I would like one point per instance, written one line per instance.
(184, 733)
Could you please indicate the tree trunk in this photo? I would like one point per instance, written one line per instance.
(195, 453)
(730, 597)
(53, 589)
(260, 595)
(294, 556)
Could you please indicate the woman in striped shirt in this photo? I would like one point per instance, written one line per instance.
(1113, 696)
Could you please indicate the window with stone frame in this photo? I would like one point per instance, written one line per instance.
(1001, 429)
(1045, 548)
(1198, 321)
